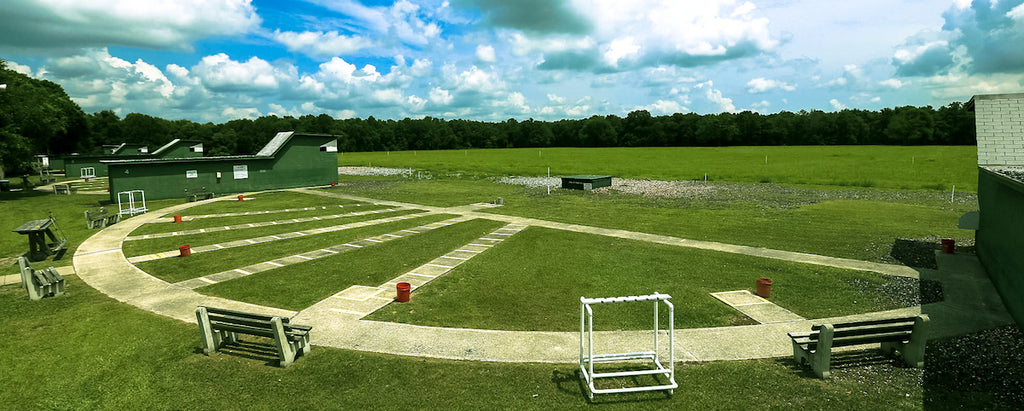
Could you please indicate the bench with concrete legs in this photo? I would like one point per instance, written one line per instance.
(218, 326)
(197, 195)
(99, 218)
(40, 283)
(905, 334)
(66, 189)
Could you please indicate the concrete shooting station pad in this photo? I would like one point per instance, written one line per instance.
(586, 181)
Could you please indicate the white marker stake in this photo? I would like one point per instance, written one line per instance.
(549, 171)
(952, 193)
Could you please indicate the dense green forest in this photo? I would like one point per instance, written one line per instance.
(37, 117)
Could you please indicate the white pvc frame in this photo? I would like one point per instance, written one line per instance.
(88, 172)
(588, 358)
(132, 209)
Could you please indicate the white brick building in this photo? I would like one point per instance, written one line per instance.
(1000, 127)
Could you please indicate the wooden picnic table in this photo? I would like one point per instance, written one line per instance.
(37, 232)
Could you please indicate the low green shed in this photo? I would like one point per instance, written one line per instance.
(289, 160)
(586, 182)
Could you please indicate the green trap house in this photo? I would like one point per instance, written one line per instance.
(289, 160)
(586, 182)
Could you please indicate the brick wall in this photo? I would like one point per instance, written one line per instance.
(999, 119)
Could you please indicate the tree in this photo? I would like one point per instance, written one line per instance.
(911, 126)
(597, 131)
(36, 116)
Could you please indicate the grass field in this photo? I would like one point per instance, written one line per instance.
(855, 223)
(155, 245)
(524, 284)
(20, 207)
(298, 286)
(178, 269)
(88, 351)
(917, 167)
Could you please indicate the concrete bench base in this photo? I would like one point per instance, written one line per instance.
(218, 327)
(40, 283)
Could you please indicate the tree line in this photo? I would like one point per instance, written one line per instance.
(37, 117)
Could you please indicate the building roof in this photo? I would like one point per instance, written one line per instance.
(173, 143)
(269, 151)
(282, 138)
(970, 103)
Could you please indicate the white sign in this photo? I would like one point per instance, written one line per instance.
(241, 171)
(191, 174)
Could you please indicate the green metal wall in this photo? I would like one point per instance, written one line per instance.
(300, 163)
(1000, 236)
(73, 165)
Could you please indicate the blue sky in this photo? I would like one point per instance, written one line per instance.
(217, 60)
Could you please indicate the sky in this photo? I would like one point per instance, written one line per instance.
(491, 60)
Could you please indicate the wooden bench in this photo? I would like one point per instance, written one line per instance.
(905, 334)
(67, 189)
(99, 218)
(196, 195)
(219, 326)
(40, 283)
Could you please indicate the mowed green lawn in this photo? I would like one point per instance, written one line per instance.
(533, 281)
(901, 167)
(87, 351)
(861, 223)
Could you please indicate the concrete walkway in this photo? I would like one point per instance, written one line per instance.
(971, 303)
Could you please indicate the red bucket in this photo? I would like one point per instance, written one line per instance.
(948, 245)
(185, 250)
(177, 218)
(764, 287)
(403, 292)
(241, 197)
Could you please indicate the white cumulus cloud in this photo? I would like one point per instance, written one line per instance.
(485, 54)
(761, 85)
(317, 43)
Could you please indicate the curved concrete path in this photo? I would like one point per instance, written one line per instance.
(970, 304)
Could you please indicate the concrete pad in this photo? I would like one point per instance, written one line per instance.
(462, 254)
(260, 267)
(10, 279)
(414, 280)
(227, 275)
(741, 297)
(359, 292)
(431, 270)
(317, 254)
(292, 259)
(755, 307)
(194, 283)
(447, 261)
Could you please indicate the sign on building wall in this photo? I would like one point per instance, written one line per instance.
(191, 174)
(241, 171)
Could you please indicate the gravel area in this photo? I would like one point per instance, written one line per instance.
(902, 291)
(531, 182)
(1014, 173)
(920, 252)
(374, 171)
(767, 195)
(984, 370)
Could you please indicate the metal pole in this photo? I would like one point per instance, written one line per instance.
(655, 330)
